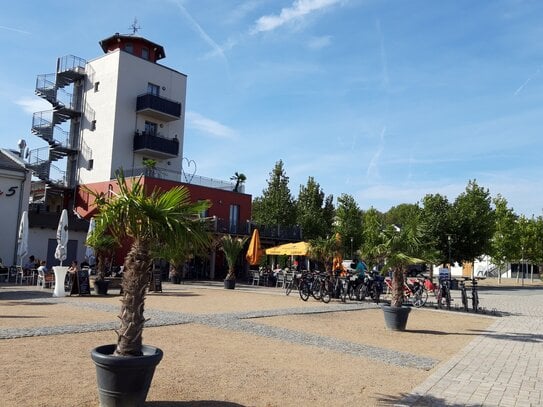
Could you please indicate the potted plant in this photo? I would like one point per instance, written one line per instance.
(231, 247)
(399, 248)
(125, 369)
(103, 244)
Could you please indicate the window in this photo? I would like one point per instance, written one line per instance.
(145, 53)
(128, 47)
(90, 164)
(150, 128)
(96, 85)
(153, 89)
(234, 218)
(93, 125)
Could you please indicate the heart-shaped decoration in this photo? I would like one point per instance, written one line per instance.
(188, 176)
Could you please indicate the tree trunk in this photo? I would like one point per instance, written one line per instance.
(397, 287)
(135, 281)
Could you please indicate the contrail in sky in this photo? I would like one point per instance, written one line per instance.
(3, 27)
(521, 87)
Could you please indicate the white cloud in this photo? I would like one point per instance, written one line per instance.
(298, 10)
(320, 42)
(32, 105)
(211, 127)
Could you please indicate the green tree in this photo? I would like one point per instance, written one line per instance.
(401, 214)
(276, 206)
(372, 227)
(436, 214)
(348, 222)
(505, 241)
(310, 210)
(472, 223)
(104, 245)
(144, 219)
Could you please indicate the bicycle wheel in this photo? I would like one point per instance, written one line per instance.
(326, 295)
(376, 291)
(315, 289)
(420, 297)
(352, 292)
(475, 300)
(343, 292)
(304, 290)
(464, 298)
(361, 292)
(288, 286)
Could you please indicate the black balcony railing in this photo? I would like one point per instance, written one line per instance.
(156, 145)
(159, 106)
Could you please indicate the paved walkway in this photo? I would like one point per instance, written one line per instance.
(502, 367)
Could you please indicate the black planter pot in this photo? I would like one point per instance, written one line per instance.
(229, 284)
(124, 381)
(101, 286)
(396, 317)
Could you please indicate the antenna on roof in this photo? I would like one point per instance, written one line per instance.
(135, 27)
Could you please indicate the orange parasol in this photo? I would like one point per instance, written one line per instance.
(254, 253)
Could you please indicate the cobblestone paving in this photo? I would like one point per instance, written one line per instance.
(502, 367)
(237, 321)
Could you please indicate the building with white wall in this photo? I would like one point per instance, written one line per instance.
(15, 181)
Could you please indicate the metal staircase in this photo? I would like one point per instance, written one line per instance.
(47, 124)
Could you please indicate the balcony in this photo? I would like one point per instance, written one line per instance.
(158, 107)
(155, 146)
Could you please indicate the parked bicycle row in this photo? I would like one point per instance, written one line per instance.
(372, 286)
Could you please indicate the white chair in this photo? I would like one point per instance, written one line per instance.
(280, 279)
(255, 279)
(45, 279)
(21, 275)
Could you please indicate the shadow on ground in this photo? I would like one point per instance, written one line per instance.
(408, 400)
(24, 295)
(194, 403)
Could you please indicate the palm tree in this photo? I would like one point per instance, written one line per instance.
(178, 249)
(144, 219)
(240, 178)
(231, 247)
(104, 245)
(323, 250)
(399, 248)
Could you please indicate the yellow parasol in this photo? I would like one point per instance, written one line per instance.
(254, 253)
(289, 249)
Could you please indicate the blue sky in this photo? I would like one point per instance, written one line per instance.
(383, 100)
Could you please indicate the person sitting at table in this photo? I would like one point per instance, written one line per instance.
(43, 268)
(74, 268)
(30, 264)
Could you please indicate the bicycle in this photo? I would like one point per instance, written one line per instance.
(371, 287)
(444, 293)
(414, 291)
(474, 294)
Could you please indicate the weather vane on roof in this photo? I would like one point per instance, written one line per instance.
(135, 27)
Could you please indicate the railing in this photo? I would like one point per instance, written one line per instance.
(71, 63)
(158, 103)
(145, 141)
(293, 233)
(159, 173)
(210, 182)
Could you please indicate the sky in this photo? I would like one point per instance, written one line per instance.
(385, 100)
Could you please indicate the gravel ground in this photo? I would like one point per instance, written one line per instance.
(246, 347)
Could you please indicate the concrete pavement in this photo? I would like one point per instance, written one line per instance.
(501, 367)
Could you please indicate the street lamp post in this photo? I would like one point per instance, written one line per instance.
(351, 248)
(449, 242)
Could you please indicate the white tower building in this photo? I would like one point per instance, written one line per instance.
(120, 110)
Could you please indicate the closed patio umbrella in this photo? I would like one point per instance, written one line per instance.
(22, 238)
(89, 252)
(254, 253)
(62, 237)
